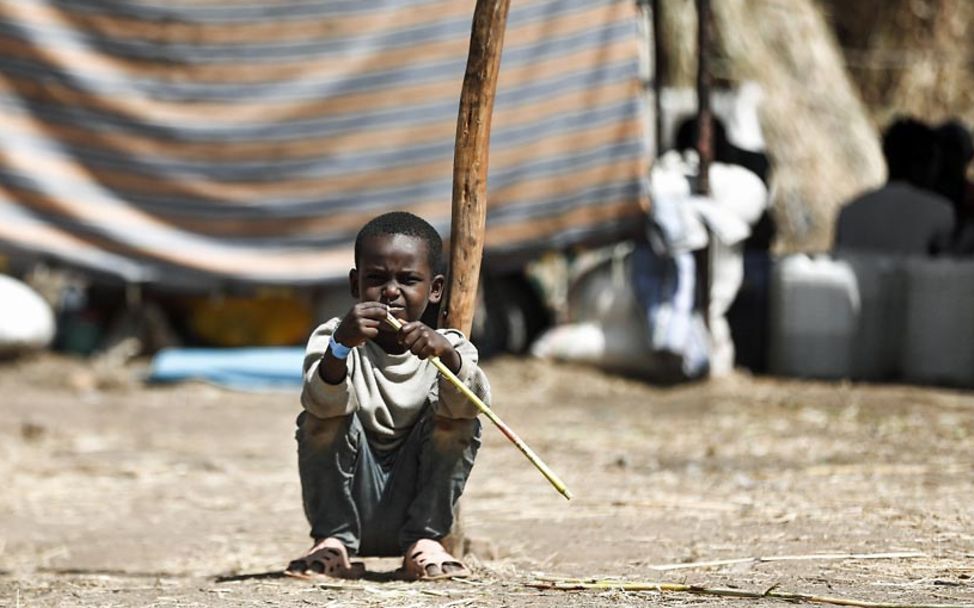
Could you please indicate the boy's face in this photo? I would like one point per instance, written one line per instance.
(394, 269)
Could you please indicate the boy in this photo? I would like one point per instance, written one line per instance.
(385, 446)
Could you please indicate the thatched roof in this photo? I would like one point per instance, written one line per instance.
(909, 56)
(824, 147)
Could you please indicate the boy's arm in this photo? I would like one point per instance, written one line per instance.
(330, 360)
(322, 398)
(453, 403)
(331, 368)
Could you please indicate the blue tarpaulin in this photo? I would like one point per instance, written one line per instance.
(250, 369)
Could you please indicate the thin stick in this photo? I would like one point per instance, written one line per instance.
(578, 585)
(784, 558)
(489, 413)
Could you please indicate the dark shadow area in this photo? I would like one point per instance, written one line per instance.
(372, 577)
(388, 576)
(112, 572)
(248, 576)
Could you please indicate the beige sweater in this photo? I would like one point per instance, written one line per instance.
(388, 392)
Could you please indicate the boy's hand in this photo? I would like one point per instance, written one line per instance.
(361, 323)
(425, 342)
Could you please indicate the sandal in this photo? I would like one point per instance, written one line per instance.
(427, 560)
(327, 558)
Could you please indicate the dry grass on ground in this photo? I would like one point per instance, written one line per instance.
(120, 495)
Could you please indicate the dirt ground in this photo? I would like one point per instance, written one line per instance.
(117, 494)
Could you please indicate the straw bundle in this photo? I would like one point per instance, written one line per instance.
(909, 56)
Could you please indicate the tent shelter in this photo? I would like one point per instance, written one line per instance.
(207, 143)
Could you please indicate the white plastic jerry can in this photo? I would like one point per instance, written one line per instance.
(814, 317)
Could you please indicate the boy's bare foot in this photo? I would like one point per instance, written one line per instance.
(427, 560)
(327, 557)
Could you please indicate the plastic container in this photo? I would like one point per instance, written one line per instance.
(814, 317)
(938, 338)
(26, 322)
(877, 346)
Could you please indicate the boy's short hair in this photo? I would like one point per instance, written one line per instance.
(405, 223)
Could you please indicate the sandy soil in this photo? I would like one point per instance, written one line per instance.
(120, 495)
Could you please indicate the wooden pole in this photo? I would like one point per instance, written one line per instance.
(657, 8)
(705, 152)
(470, 163)
(469, 211)
(705, 146)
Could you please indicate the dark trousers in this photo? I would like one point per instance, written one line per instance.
(379, 502)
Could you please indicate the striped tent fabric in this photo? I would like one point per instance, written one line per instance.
(203, 142)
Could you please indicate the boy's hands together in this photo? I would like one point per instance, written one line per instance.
(365, 318)
(361, 323)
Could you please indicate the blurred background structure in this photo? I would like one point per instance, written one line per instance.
(834, 74)
(202, 157)
(194, 173)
